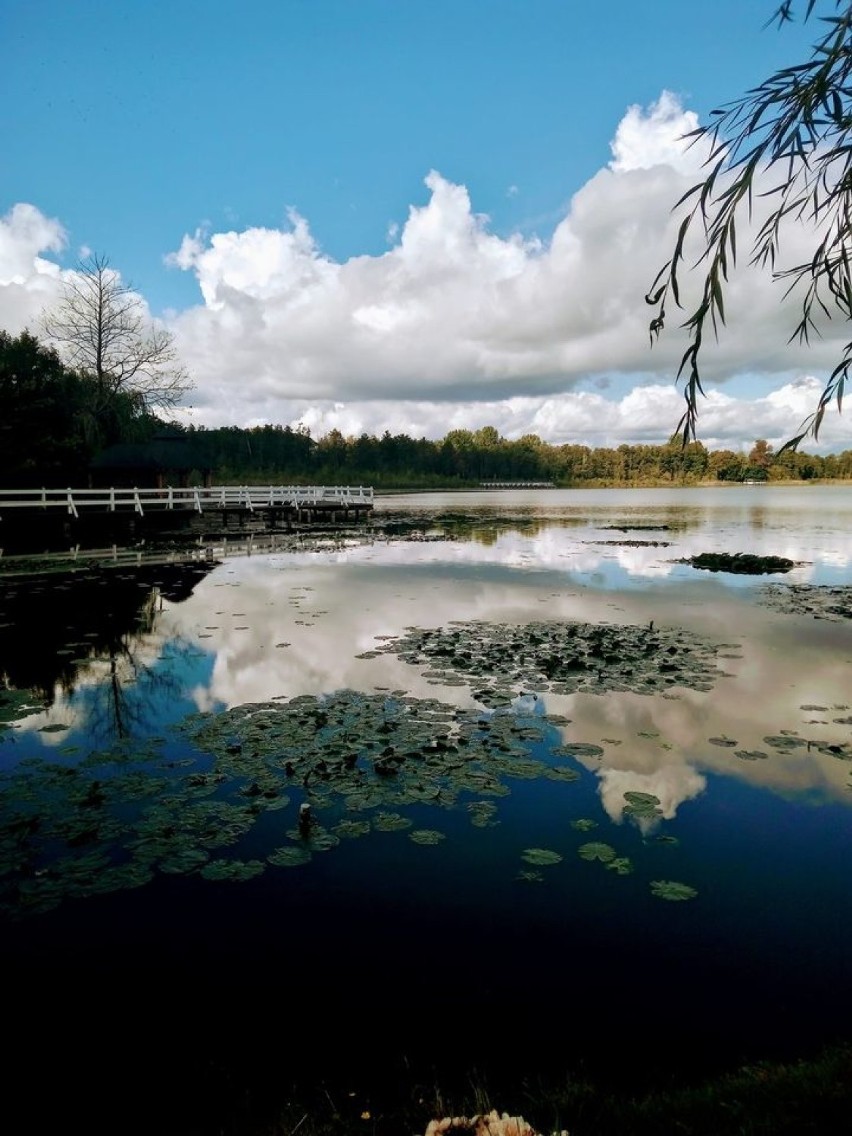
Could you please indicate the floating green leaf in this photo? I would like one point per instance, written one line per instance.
(596, 850)
(672, 890)
(426, 836)
(541, 857)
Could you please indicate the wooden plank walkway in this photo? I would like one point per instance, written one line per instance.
(309, 499)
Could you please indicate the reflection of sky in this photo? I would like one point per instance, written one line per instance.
(286, 624)
(282, 626)
(809, 525)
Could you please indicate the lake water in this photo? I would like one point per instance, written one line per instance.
(567, 794)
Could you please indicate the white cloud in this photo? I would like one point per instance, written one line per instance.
(658, 136)
(456, 326)
(27, 280)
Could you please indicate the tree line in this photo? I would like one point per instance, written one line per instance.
(54, 420)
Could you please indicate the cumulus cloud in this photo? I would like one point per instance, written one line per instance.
(455, 325)
(658, 136)
(27, 280)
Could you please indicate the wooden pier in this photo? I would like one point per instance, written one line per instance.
(64, 516)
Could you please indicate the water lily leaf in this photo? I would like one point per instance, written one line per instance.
(426, 836)
(290, 857)
(584, 824)
(348, 829)
(562, 773)
(672, 890)
(541, 857)
(634, 797)
(621, 865)
(596, 850)
(390, 822)
(232, 870)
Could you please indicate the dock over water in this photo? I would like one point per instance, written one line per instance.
(32, 516)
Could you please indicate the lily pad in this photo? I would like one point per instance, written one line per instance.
(426, 836)
(672, 890)
(597, 850)
(290, 857)
(232, 870)
(621, 865)
(541, 857)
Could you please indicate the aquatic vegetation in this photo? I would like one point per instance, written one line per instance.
(597, 850)
(426, 836)
(559, 657)
(541, 857)
(743, 563)
(289, 857)
(234, 871)
(14, 705)
(584, 824)
(642, 805)
(832, 602)
(672, 890)
(621, 865)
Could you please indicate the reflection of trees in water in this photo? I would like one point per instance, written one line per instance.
(52, 628)
(124, 701)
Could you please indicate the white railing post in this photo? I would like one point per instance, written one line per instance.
(137, 503)
(72, 508)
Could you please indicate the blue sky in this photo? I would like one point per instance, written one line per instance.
(282, 150)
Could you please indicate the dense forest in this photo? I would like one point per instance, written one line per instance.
(54, 424)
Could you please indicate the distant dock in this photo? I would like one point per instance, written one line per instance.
(517, 485)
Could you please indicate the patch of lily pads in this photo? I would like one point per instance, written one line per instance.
(832, 602)
(15, 705)
(643, 806)
(740, 563)
(561, 657)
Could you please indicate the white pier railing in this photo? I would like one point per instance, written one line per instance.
(250, 497)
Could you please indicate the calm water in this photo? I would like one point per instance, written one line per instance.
(460, 953)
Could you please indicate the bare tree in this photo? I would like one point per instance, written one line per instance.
(100, 327)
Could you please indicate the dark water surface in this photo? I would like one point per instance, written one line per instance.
(138, 982)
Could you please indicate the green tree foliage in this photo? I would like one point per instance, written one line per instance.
(789, 139)
(40, 426)
(48, 433)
